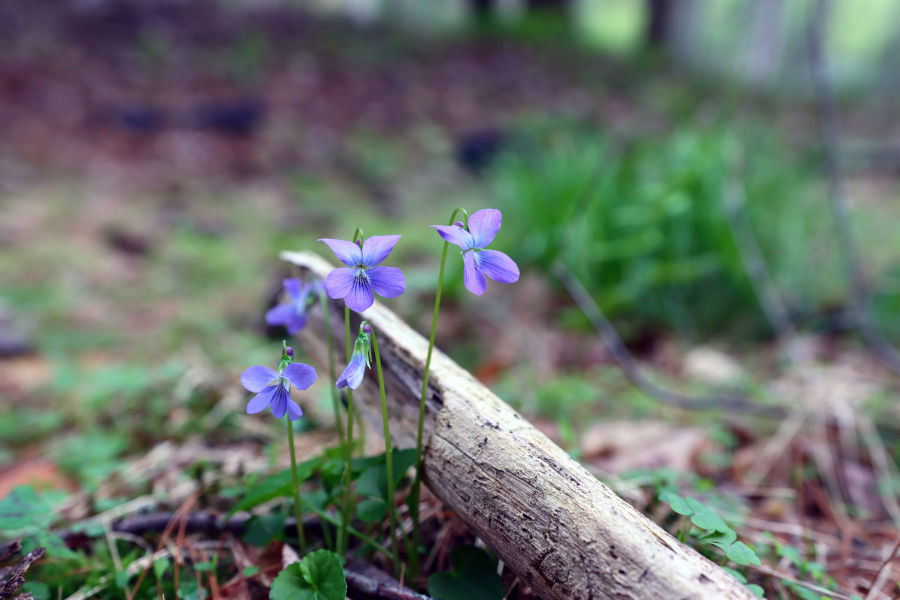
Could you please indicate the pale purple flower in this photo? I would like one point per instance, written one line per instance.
(353, 375)
(273, 389)
(361, 279)
(292, 314)
(478, 261)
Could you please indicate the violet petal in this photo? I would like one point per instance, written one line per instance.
(377, 248)
(293, 287)
(261, 400)
(300, 375)
(293, 410)
(484, 225)
(473, 278)
(387, 281)
(297, 322)
(456, 235)
(360, 296)
(497, 265)
(353, 375)
(339, 282)
(279, 401)
(346, 252)
(280, 315)
(256, 378)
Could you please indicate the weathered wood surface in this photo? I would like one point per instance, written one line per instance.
(554, 524)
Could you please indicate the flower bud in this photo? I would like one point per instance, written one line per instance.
(367, 329)
(289, 351)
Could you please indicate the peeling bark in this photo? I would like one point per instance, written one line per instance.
(565, 533)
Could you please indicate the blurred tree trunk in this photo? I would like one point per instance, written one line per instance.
(659, 12)
(557, 6)
(765, 44)
(483, 11)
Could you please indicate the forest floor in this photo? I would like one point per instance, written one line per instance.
(156, 157)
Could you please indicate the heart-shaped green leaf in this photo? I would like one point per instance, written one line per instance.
(319, 576)
(704, 517)
(371, 510)
(741, 554)
(676, 503)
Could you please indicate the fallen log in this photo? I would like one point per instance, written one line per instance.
(565, 533)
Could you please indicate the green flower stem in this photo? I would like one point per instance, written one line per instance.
(365, 539)
(326, 536)
(388, 458)
(345, 509)
(417, 483)
(329, 336)
(298, 512)
(685, 530)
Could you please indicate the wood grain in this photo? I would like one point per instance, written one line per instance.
(554, 524)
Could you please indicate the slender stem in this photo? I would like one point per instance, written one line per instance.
(296, 489)
(388, 458)
(326, 536)
(329, 336)
(417, 483)
(365, 539)
(345, 509)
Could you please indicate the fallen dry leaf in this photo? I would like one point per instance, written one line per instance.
(622, 445)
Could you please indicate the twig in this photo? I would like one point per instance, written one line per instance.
(886, 469)
(10, 549)
(775, 447)
(145, 562)
(758, 273)
(630, 367)
(766, 570)
(828, 130)
(13, 579)
(365, 582)
(883, 573)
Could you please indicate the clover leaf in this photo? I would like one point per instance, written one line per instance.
(319, 576)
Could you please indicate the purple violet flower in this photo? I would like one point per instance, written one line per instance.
(273, 389)
(353, 375)
(361, 279)
(292, 314)
(477, 260)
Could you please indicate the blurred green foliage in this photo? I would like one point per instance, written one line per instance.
(646, 226)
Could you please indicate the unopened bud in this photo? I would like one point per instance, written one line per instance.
(289, 351)
(367, 329)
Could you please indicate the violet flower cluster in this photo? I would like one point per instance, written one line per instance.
(357, 283)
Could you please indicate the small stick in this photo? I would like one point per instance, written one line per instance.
(883, 573)
(629, 365)
(15, 577)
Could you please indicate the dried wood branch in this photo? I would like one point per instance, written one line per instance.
(10, 549)
(562, 531)
(365, 582)
(14, 578)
